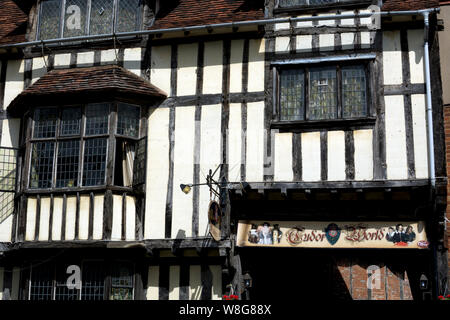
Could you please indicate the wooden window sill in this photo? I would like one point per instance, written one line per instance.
(315, 125)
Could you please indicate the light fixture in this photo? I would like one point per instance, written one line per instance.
(423, 282)
(185, 188)
(248, 281)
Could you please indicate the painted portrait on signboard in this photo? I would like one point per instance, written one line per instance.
(401, 236)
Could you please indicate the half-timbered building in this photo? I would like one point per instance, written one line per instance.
(194, 149)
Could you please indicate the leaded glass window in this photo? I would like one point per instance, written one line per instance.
(94, 162)
(300, 3)
(354, 92)
(75, 18)
(68, 163)
(63, 155)
(128, 117)
(323, 93)
(292, 83)
(93, 281)
(122, 282)
(42, 164)
(87, 17)
(41, 282)
(97, 119)
(50, 19)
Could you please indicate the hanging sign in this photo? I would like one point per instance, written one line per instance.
(215, 219)
(318, 234)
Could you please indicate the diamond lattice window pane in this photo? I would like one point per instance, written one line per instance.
(75, 18)
(50, 19)
(292, 95)
(101, 19)
(128, 15)
(354, 92)
(323, 94)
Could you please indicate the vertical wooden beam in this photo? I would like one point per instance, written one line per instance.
(38, 218)
(63, 218)
(107, 215)
(164, 281)
(50, 220)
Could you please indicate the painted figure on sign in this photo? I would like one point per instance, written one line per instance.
(265, 234)
(399, 235)
(390, 234)
(253, 234)
(276, 234)
(410, 235)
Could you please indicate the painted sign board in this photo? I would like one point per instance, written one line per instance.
(319, 234)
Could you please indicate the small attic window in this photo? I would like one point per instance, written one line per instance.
(73, 18)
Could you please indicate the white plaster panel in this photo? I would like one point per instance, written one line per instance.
(304, 24)
(395, 138)
(365, 21)
(326, 42)
(336, 155)
(85, 59)
(392, 58)
(10, 133)
(116, 231)
(210, 156)
(132, 60)
(216, 271)
(282, 26)
(130, 232)
(255, 142)
(62, 60)
(160, 68)
(282, 44)
(71, 217)
(31, 219)
(6, 229)
(57, 218)
(363, 159)
(187, 69)
(256, 65)
(97, 232)
(44, 219)
(39, 69)
(328, 22)
(418, 107)
(195, 283)
(348, 40)
(234, 143)
(83, 228)
(183, 171)
(153, 283)
(14, 81)
(303, 43)
(283, 157)
(236, 57)
(108, 56)
(415, 46)
(366, 39)
(311, 163)
(213, 67)
(174, 283)
(157, 173)
(349, 21)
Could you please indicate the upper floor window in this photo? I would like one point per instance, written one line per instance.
(323, 93)
(69, 146)
(304, 3)
(72, 18)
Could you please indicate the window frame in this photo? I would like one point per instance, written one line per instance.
(307, 7)
(111, 137)
(86, 31)
(277, 122)
(108, 272)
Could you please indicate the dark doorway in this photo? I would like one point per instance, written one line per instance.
(285, 273)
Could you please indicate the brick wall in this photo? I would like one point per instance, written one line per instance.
(392, 282)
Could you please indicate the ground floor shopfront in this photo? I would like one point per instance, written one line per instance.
(291, 273)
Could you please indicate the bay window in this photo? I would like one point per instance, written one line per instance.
(72, 18)
(69, 146)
